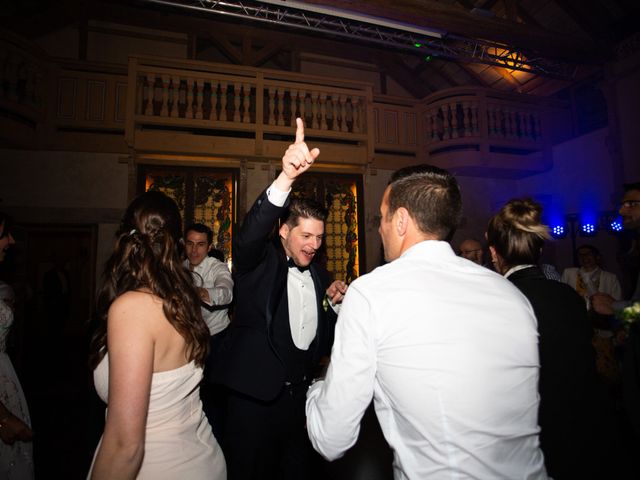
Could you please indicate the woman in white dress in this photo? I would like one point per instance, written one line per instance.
(148, 353)
(16, 458)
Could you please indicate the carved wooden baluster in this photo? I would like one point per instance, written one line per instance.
(491, 120)
(189, 111)
(199, 98)
(446, 120)
(173, 97)
(475, 126)
(453, 107)
(323, 111)
(466, 119)
(303, 105)
(224, 96)
(537, 126)
(356, 103)
(280, 95)
(313, 97)
(343, 114)
(164, 107)
(236, 102)
(332, 107)
(246, 103)
(294, 107)
(270, 106)
(431, 125)
(509, 123)
(150, 91)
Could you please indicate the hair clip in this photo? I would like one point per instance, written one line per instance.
(132, 231)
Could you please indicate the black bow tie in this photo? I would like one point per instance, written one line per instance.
(292, 264)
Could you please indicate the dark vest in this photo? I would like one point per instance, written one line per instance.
(297, 363)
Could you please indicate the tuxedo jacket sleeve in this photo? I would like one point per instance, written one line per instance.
(248, 362)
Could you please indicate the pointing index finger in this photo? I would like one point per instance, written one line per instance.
(299, 130)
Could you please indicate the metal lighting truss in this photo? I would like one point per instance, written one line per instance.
(409, 38)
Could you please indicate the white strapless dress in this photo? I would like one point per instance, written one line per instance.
(179, 443)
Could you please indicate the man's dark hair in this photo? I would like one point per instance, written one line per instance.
(591, 248)
(431, 195)
(200, 228)
(303, 208)
(631, 186)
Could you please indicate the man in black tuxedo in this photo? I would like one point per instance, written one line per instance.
(283, 326)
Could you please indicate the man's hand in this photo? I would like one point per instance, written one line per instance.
(602, 303)
(336, 291)
(296, 160)
(204, 294)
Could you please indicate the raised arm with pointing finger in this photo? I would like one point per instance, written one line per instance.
(281, 328)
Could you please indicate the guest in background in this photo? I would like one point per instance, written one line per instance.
(16, 452)
(589, 278)
(572, 403)
(472, 249)
(215, 286)
(148, 354)
(606, 305)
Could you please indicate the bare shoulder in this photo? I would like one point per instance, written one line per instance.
(135, 304)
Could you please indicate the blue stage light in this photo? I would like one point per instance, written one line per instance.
(587, 229)
(558, 231)
(615, 226)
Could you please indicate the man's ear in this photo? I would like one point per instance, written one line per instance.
(283, 231)
(402, 220)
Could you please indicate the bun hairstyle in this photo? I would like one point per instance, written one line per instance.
(517, 232)
(146, 257)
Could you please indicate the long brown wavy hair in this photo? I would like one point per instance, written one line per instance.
(146, 257)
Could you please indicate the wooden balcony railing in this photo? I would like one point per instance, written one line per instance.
(476, 130)
(247, 104)
(186, 108)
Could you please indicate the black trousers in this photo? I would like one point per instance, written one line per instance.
(268, 440)
(213, 395)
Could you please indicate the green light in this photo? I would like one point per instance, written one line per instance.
(427, 58)
(417, 45)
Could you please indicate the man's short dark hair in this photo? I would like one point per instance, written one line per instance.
(431, 196)
(303, 208)
(631, 186)
(200, 228)
(591, 248)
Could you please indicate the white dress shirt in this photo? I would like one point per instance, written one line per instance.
(214, 276)
(449, 352)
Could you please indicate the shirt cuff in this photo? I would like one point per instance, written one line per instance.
(276, 196)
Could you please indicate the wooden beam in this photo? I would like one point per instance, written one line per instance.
(591, 17)
(456, 20)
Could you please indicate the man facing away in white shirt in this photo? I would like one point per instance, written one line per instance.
(453, 376)
(214, 283)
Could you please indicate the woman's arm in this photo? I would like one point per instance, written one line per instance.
(131, 354)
